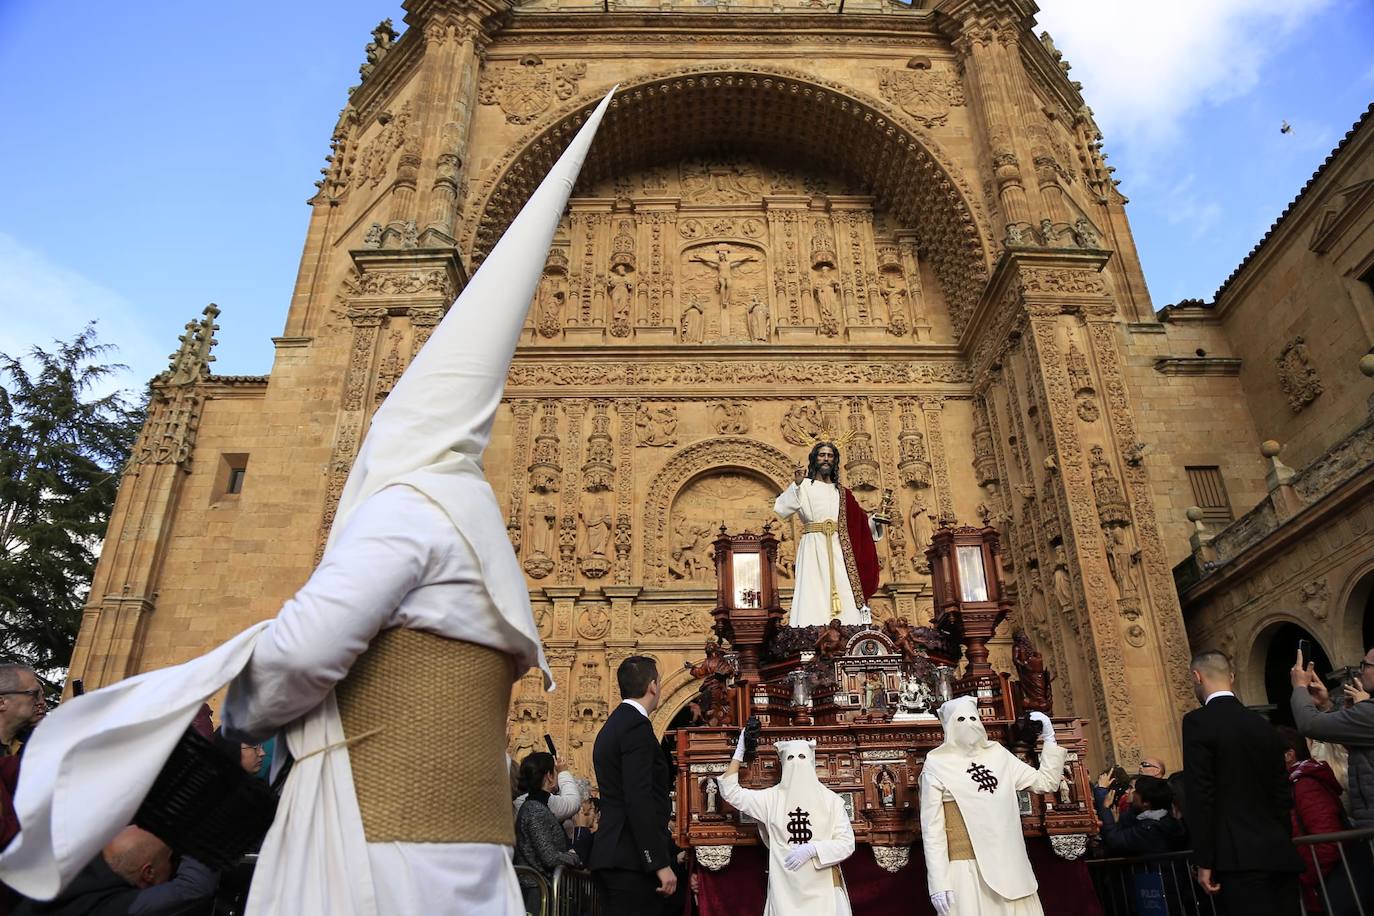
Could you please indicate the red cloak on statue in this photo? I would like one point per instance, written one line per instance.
(856, 544)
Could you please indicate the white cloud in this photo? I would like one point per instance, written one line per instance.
(1187, 207)
(40, 301)
(1144, 66)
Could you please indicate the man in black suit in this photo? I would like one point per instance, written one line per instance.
(1238, 799)
(632, 855)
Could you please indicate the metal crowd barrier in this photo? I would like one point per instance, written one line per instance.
(542, 902)
(574, 893)
(1167, 885)
(1349, 887)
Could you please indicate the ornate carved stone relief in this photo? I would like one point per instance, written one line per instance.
(657, 426)
(1297, 377)
(525, 91)
(923, 92)
(752, 461)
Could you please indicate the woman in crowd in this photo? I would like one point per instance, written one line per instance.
(540, 841)
(1316, 809)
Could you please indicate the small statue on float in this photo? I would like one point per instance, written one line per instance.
(831, 641)
(916, 696)
(715, 672)
(1037, 689)
(806, 828)
(970, 818)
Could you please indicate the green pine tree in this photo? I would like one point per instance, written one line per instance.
(62, 447)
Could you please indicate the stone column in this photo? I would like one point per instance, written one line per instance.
(977, 33)
(125, 585)
(453, 51)
(1090, 487)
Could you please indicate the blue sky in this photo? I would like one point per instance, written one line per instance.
(158, 155)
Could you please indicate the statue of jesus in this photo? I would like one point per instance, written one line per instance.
(724, 267)
(837, 562)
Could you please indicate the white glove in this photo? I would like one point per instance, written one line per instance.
(739, 748)
(943, 901)
(799, 856)
(1046, 726)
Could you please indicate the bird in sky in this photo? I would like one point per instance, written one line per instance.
(1286, 128)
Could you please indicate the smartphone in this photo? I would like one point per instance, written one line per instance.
(78, 687)
(1305, 647)
(548, 740)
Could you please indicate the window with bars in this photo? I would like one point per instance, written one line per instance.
(1209, 494)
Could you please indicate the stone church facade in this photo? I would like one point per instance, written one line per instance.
(892, 221)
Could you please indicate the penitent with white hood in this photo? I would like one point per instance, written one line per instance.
(976, 862)
(806, 829)
(391, 808)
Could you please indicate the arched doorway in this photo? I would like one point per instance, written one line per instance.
(1279, 655)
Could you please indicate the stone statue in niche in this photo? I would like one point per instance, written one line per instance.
(1063, 589)
(621, 290)
(693, 321)
(826, 291)
(596, 533)
(787, 555)
(710, 791)
(1121, 559)
(543, 540)
(922, 528)
(550, 299)
(656, 427)
(724, 266)
(757, 319)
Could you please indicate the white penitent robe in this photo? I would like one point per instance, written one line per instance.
(399, 561)
(811, 602)
(816, 888)
(998, 881)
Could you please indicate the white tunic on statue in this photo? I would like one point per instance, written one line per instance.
(815, 503)
(811, 890)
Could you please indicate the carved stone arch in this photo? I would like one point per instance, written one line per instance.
(733, 452)
(766, 109)
(1353, 611)
(675, 691)
(1251, 661)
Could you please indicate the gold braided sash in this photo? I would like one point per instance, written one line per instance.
(956, 834)
(829, 529)
(426, 721)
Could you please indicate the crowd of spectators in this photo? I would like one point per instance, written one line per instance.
(137, 873)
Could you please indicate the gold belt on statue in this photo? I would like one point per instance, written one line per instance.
(828, 528)
(426, 721)
(956, 834)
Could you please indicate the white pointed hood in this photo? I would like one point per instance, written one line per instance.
(432, 429)
(964, 730)
(802, 789)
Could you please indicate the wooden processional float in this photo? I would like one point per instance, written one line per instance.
(867, 696)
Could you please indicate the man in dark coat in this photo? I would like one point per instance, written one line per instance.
(1147, 828)
(1238, 798)
(633, 854)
